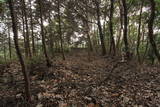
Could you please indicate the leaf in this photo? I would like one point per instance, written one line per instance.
(18, 95)
(39, 105)
(62, 104)
(40, 96)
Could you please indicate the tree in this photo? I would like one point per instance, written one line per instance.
(32, 32)
(112, 41)
(24, 70)
(150, 29)
(125, 30)
(9, 42)
(48, 63)
(139, 31)
(97, 3)
(120, 26)
(28, 49)
(60, 30)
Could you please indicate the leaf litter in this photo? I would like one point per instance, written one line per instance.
(79, 82)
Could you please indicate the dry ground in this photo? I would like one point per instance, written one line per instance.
(79, 82)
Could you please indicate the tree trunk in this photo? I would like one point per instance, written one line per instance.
(24, 34)
(48, 63)
(32, 32)
(51, 36)
(4, 52)
(24, 71)
(100, 28)
(112, 41)
(86, 26)
(118, 46)
(27, 31)
(146, 49)
(139, 32)
(9, 43)
(125, 30)
(150, 29)
(89, 42)
(143, 34)
(60, 31)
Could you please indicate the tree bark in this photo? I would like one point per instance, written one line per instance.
(48, 63)
(100, 28)
(146, 49)
(24, 34)
(112, 41)
(24, 71)
(89, 41)
(86, 26)
(27, 31)
(118, 45)
(60, 31)
(125, 30)
(9, 43)
(32, 32)
(51, 43)
(139, 32)
(4, 51)
(150, 29)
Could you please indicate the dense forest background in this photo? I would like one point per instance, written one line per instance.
(40, 39)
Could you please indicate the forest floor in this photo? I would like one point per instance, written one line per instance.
(79, 82)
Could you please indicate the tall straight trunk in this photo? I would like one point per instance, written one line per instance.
(86, 24)
(120, 28)
(32, 32)
(27, 31)
(104, 28)
(48, 63)
(4, 52)
(90, 46)
(51, 36)
(9, 43)
(125, 30)
(96, 36)
(89, 42)
(88, 36)
(143, 33)
(60, 31)
(95, 40)
(150, 30)
(146, 49)
(24, 71)
(100, 28)
(139, 32)
(119, 40)
(112, 41)
(24, 34)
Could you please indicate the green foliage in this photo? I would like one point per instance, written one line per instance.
(2, 1)
(2, 61)
(158, 1)
(35, 60)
